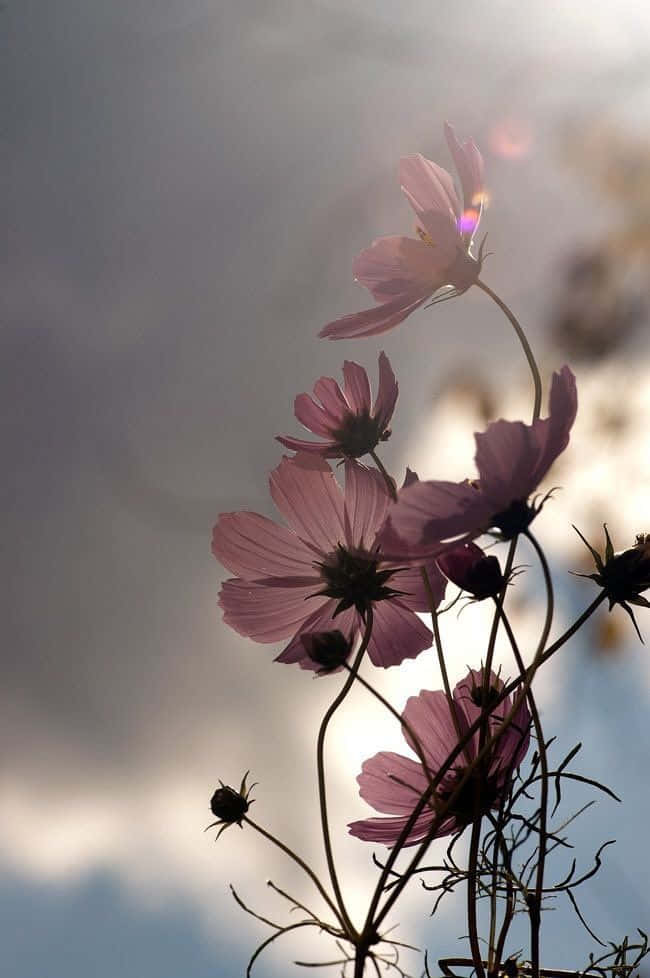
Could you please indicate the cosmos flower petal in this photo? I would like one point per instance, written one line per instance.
(396, 265)
(378, 319)
(253, 546)
(387, 392)
(306, 493)
(357, 387)
(386, 831)
(429, 717)
(507, 457)
(312, 415)
(413, 591)
(427, 512)
(267, 614)
(563, 406)
(320, 620)
(392, 783)
(429, 188)
(332, 398)
(469, 163)
(512, 457)
(397, 634)
(326, 449)
(366, 504)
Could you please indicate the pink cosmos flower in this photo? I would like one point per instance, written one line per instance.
(393, 784)
(346, 419)
(511, 457)
(325, 570)
(402, 273)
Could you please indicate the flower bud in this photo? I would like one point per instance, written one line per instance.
(329, 650)
(623, 575)
(230, 805)
(472, 570)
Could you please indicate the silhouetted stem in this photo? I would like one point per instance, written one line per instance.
(521, 336)
(320, 764)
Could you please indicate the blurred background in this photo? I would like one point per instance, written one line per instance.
(188, 183)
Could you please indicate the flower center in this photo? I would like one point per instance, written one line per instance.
(353, 578)
(514, 519)
(359, 434)
(477, 789)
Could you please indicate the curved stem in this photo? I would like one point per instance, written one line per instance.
(303, 865)
(320, 764)
(521, 336)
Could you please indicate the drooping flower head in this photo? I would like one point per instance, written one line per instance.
(511, 457)
(472, 570)
(325, 570)
(393, 784)
(347, 421)
(401, 273)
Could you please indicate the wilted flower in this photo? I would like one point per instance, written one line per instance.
(472, 570)
(229, 805)
(393, 784)
(345, 419)
(326, 570)
(511, 457)
(402, 273)
(623, 575)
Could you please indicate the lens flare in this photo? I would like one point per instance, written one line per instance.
(511, 139)
(468, 220)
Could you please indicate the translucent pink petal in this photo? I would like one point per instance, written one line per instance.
(332, 398)
(563, 406)
(410, 581)
(377, 320)
(392, 783)
(320, 620)
(326, 449)
(396, 265)
(366, 504)
(429, 186)
(386, 831)
(266, 614)
(306, 493)
(429, 717)
(507, 457)
(427, 512)
(512, 746)
(252, 546)
(357, 387)
(513, 457)
(469, 163)
(387, 392)
(313, 416)
(397, 634)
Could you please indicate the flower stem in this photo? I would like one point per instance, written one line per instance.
(303, 865)
(320, 764)
(390, 483)
(521, 336)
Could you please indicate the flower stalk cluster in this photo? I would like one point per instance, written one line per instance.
(349, 573)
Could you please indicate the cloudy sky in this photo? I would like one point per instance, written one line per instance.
(188, 183)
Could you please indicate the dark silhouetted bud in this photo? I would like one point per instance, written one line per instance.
(471, 569)
(230, 805)
(328, 649)
(623, 575)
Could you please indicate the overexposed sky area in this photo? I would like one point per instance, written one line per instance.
(188, 185)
